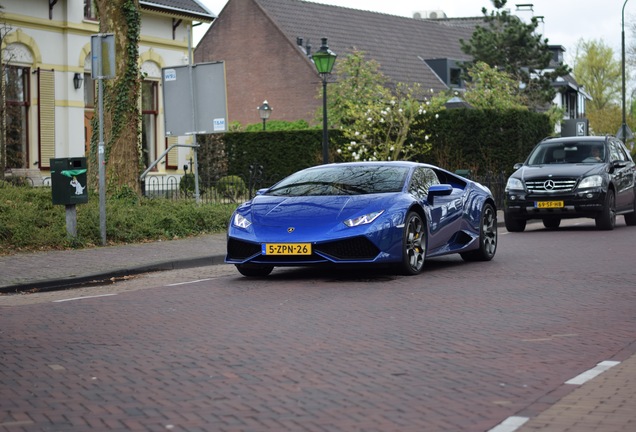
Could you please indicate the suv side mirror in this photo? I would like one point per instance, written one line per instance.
(617, 164)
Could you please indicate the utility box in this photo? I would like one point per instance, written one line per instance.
(68, 181)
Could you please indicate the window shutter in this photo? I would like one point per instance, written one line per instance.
(172, 158)
(46, 117)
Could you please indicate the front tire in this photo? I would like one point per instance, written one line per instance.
(514, 224)
(551, 222)
(487, 236)
(413, 244)
(606, 220)
(254, 270)
(630, 218)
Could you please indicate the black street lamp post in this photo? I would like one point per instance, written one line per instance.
(624, 133)
(324, 60)
(624, 126)
(264, 111)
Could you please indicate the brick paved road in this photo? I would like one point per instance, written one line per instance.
(459, 348)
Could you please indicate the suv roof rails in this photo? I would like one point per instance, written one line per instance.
(605, 137)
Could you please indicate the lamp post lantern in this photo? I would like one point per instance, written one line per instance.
(324, 60)
(264, 111)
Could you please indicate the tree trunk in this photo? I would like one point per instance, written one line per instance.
(122, 116)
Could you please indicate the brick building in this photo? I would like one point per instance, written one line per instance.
(266, 46)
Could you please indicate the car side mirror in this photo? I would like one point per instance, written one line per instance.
(517, 166)
(619, 164)
(438, 190)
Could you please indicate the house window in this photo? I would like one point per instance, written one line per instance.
(455, 77)
(90, 10)
(17, 104)
(149, 113)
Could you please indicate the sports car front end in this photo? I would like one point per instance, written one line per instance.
(284, 231)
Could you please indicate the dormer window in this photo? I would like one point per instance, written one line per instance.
(447, 70)
(455, 79)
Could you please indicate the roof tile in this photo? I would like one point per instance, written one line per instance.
(399, 44)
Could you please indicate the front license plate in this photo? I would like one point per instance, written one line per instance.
(548, 204)
(286, 249)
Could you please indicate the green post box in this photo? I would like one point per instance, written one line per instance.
(68, 181)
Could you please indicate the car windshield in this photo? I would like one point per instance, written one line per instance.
(342, 180)
(567, 153)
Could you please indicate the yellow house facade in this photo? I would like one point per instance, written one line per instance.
(49, 92)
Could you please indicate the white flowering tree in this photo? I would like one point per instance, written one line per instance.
(380, 123)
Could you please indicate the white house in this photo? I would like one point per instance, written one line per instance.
(50, 95)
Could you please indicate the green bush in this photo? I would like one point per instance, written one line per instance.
(232, 187)
(186, 185)
(29, 221)
(483, 141)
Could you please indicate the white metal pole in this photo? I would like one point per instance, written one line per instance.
(194, 126)
(100, 162)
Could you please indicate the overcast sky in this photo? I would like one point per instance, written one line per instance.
(565, 21)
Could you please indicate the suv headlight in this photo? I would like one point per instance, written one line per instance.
(591, 182)
(514, 183)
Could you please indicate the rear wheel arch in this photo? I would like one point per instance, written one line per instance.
(491, 202)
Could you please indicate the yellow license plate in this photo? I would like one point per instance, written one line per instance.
(549, 204)
(286, 248)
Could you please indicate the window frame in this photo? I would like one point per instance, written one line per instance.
(90, 10)
(151, 112)
(23, 104)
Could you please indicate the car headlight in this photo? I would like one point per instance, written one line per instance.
(364, 219)
(591, 182)
(514, 183)
(240, 221)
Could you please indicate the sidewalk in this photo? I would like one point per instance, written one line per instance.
(605, 403)
(57, 269)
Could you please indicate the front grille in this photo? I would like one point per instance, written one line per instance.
(550, 185)
(290, 259)
(357, 248)
(237, 249)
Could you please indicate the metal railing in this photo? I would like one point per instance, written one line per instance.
(496, 182)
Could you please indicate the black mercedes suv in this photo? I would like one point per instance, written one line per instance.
(572, 177)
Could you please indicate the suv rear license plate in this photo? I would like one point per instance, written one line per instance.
(286, 248)
(548, 204)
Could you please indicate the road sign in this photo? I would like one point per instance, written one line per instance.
(194, 99)
(103, 56)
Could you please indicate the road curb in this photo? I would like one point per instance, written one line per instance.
(100, 277)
